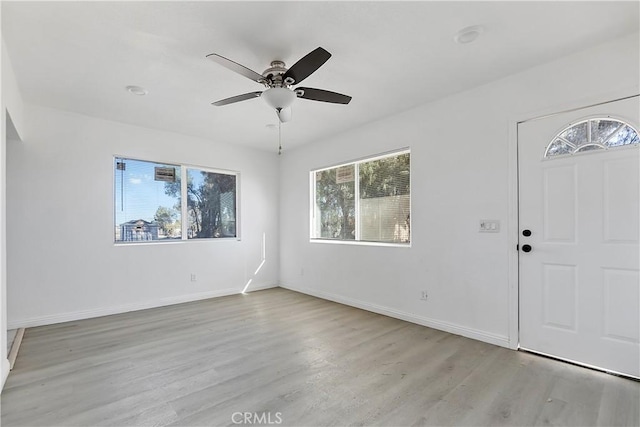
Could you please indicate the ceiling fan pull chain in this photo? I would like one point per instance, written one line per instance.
(279, 137)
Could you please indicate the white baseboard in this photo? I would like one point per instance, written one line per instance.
(476, 334)
(464, 331)
(254, 288)
(106, 311)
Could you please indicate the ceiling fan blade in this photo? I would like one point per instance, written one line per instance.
(237, 98)
(322, 95)
(238, 68)
(306, 66)
(284, 114)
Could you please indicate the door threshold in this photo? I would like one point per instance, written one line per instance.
(580, 364)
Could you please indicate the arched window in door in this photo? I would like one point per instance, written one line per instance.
(592, 134)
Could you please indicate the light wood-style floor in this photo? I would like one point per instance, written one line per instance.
(286, 356)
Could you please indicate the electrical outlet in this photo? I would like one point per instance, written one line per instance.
(423, 296)
(193, 277)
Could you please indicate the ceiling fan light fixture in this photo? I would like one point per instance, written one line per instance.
(284, 115)
(278, 97)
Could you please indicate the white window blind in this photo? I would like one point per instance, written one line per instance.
(385, 201)
(368, 200)
(148, 202)
(144, 208)
(211, 204)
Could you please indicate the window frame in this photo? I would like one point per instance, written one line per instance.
(356, 163)
(578, 149)
(184, 225)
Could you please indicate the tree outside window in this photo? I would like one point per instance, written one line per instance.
(375, 207)
(149, 196)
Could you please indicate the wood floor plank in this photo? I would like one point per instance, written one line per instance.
(311, 362)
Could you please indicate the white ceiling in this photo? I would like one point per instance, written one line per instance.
(389, 56)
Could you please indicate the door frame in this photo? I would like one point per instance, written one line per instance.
(513, 227)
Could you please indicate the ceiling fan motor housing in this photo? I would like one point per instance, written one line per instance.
(274, 74)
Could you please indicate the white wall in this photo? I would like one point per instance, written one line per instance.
(11, 110)
(462, 171)
(62, 263)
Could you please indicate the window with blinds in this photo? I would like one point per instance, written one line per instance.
(365, 201)
(149, 208)
(211, 204)
(144, 210)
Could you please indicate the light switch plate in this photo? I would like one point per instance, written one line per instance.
(489, 226)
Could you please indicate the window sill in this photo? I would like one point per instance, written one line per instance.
(360, 243)
(176, 242)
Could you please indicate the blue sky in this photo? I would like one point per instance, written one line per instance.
(137, 194)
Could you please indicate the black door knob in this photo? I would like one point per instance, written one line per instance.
(526, 233)
(526, 248)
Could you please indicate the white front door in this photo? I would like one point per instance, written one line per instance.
(578, 223)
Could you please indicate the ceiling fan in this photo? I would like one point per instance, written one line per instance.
(279, 82)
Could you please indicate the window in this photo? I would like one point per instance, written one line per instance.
(148, 202)
(367, 201)
(592, 134)
(144, 208)
(212, 204)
